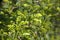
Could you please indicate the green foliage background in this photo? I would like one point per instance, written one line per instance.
(30, 20)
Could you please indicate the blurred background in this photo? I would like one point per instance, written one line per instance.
(29, 19)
